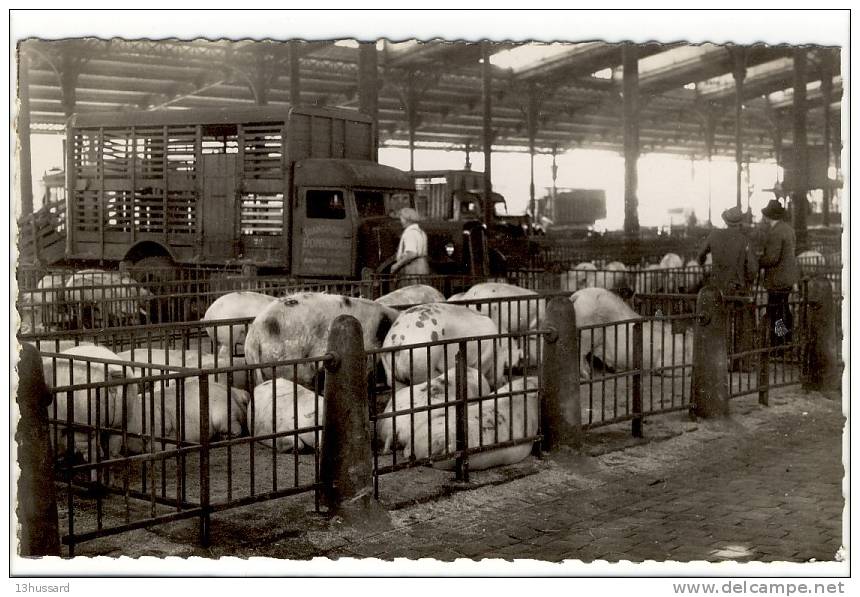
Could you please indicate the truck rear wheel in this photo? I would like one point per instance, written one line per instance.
(154, 269)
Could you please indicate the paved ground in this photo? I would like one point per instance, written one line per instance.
(763, 485)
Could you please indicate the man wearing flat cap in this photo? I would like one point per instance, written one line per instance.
(412, 250)
(733, 272)
(780, 270)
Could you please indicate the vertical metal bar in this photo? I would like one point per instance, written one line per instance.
(100, 171)
(164, 174)
(637, 379)
(461, 416)
(764, 361)
(132, 230)
(199, 183)
(204, 459)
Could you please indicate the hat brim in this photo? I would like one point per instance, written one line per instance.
(774, 213)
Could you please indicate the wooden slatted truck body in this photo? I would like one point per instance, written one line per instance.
(298, 190)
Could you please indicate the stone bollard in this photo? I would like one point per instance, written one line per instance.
(37, 497)
(710, 393)
(346, 459)
(823, 364)
(561, 410)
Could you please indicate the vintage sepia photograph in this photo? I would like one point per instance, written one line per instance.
(490, 302)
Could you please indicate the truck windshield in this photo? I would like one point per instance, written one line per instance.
(398, 200)
(369, 203)
(326, 204)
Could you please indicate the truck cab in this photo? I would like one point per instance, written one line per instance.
(458, 196)
(341, 213)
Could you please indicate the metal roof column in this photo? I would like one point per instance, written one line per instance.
(739, 73)
(411, 116)
(368, 87)
(487, 90)
(551, 212)
(295, 74)
(630, 88)
(801, 162)
(532, 123)
(827, 95)
(24, 173)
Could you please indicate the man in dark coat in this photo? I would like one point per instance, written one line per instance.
(734, 265)
(780, 270)
(733, 272)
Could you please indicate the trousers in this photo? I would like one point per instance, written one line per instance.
(779, 316)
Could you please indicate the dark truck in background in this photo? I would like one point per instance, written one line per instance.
(571, 212)
(283, 190)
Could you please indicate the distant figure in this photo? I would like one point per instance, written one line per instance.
(734, 265)
(412, 250)
(781, 273)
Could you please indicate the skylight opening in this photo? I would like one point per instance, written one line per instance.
(528, 55)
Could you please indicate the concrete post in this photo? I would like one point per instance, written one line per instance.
(37, 498)
(823, 369)
(710, 368)
(346, 459)
(561, 410)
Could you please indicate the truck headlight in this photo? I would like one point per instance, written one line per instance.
(449, 249)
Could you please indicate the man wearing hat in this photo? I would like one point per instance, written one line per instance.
(734, 265)
(733, 272)
(780, 270)
(412, 250)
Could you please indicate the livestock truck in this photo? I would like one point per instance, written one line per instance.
(287, 190)
(458, 196)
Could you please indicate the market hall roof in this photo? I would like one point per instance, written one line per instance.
(574, 88)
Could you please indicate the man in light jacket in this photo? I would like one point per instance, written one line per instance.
(412, 250)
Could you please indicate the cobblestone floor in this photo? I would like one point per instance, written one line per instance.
(763, 485)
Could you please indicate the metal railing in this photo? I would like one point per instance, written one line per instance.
(131, 461)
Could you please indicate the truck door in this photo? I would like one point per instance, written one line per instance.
(324, 233)
(219, 205)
